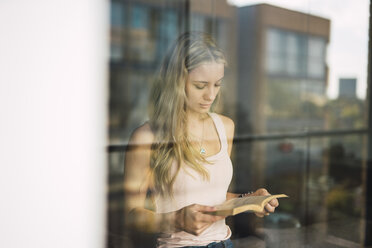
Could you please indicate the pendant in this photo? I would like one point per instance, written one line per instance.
(202, 151)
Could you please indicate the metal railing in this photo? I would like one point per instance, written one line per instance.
(271, 137)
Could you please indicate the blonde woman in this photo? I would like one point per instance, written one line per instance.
(182, 154)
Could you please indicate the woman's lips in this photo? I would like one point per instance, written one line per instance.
(205, 105)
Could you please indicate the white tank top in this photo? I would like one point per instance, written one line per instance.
(190, 188)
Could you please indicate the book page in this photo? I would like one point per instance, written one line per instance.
(248, 200)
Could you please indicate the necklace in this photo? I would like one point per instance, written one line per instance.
(202, 149)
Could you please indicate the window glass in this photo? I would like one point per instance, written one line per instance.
(316, 58)
(198, 22)
(140, 17)
(117, 21)
(275, 51)
(117, 14)
(295, 86)
(292, 56)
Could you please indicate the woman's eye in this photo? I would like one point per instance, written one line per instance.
(199, 87)
(217, 85)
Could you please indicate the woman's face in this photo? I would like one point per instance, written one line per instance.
(203, 84)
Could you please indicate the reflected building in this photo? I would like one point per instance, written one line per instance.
(282, 80)
(347, 87)
(282, 65)
(140, 33)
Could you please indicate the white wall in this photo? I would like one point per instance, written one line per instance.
(53, 100)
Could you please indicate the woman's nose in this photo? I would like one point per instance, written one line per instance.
(210, 94)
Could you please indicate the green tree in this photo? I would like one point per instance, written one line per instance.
(346, 113)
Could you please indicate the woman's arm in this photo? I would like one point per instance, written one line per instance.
(270, 207)
(137, 178)
(230, 127)
(231, 195)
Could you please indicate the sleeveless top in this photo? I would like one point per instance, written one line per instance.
(190, 188)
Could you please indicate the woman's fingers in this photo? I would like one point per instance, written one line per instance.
(274, 203)
(269, 207)
(196, 218)
(202, 208)
(260, 215)
(261, 191)
(195, 228)
(266, 211)
(208, 218)
(203, 216)
(199, 228)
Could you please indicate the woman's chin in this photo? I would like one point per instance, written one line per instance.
(199, 110)
(204, 110)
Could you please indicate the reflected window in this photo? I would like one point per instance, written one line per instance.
(168, 30)
(197, 23)
(117, 21)
(275, 51)
(139, 18)
(294, 54)
(316, 58)
(117, 14)
(142, 45)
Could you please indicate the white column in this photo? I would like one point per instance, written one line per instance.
(53, 107)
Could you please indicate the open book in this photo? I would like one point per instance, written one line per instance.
(249, 203)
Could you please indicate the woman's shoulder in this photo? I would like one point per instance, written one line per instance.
(227, 122)
(142, 135)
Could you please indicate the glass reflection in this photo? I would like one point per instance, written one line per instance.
(280, 94)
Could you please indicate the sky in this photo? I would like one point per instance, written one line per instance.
(348, 48)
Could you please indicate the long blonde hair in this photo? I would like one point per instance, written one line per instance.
(167, 108)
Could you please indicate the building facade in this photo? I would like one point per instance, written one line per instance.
(282, 80)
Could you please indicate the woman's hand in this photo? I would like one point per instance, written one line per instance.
(269, 207)
(194, 218)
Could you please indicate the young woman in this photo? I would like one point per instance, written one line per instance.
(182, 154)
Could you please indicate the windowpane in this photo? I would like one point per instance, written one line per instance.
(140, 17)
(316, 57)
(293, 133)
(117, 14)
